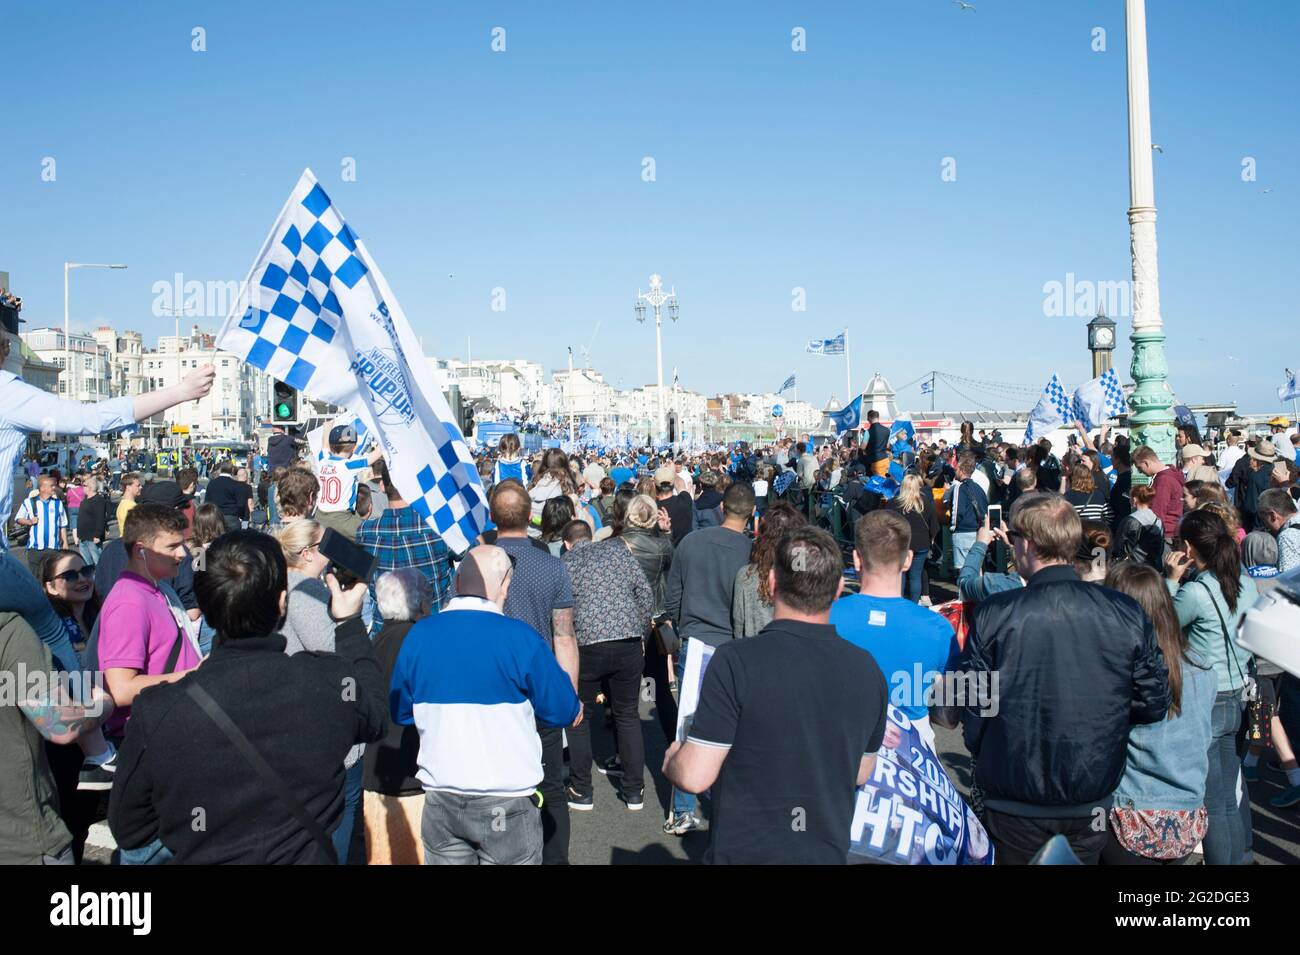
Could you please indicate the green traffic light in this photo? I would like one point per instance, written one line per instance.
(282, 411)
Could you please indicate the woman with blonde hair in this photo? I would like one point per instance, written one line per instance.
(915, 502)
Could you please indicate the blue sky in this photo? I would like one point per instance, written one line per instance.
(774, 170)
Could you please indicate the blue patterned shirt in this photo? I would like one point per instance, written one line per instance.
(399, 538)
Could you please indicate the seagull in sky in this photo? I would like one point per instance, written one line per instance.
(963, 5)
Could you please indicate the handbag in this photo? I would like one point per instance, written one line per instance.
(665, 634)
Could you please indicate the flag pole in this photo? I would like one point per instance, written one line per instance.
(848, 373)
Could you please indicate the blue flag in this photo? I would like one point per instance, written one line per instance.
(827, 346)
(848, 417)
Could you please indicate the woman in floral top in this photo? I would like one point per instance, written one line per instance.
(1158, 814)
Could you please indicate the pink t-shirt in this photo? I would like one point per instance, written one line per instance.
(137, 631)
(76, 494)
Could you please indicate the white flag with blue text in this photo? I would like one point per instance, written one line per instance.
(317, 314)
(1291, 390)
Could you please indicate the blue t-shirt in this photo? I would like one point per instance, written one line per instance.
(621, 474)
(901, 636)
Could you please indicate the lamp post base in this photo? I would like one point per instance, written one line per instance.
(1151, 423)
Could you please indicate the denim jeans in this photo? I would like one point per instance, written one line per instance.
(90, 552)
(619, 662)
(961, 545)
(914, 575)
(480, 830)
(1226, 840)
(21, 594)
(207, 634)
(342, 836)
(155, 853)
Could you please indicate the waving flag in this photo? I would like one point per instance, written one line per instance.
(789, 383)
(927, 387)
(848, 417)
(317, 314)
(827, 346)
(1054, 408)
(1291, 390)
(1097, 401)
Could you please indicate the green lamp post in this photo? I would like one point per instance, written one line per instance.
(1151, 422)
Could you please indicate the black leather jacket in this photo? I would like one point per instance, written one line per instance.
(1077, 664)
(654, 552)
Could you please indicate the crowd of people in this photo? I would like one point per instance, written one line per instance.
(251, 699)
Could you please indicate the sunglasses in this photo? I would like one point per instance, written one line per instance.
(70, 576)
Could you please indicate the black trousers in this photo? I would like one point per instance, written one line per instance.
(656, 668)
(1017, 839)
(1114, 853)
(617, 664)
(555, 807)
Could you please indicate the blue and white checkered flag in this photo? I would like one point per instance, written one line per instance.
(1054, 408)
(317, 314)
(1115, 403)
(1097, 401)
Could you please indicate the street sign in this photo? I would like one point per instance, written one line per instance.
(180, 429)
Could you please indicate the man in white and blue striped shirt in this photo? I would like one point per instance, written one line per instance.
(47, 516)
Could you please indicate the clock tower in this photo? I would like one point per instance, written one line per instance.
(1101, 342)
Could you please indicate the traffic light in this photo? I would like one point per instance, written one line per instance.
(672, 427)
(284, 404)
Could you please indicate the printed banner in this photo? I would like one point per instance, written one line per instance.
(909, 812)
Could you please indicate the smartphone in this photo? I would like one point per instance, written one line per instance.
(349, 561)
(995, 516)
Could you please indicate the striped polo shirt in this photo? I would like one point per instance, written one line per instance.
(50, 515)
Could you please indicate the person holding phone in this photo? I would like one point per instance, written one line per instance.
(1211, 592)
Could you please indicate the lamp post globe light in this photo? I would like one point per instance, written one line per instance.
(657, 298)
(1152, 422)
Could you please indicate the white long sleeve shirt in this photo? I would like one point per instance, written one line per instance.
(25, 410)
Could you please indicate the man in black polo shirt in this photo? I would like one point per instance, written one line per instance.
(788, 724)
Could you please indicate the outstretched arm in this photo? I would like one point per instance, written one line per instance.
(195, 385)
